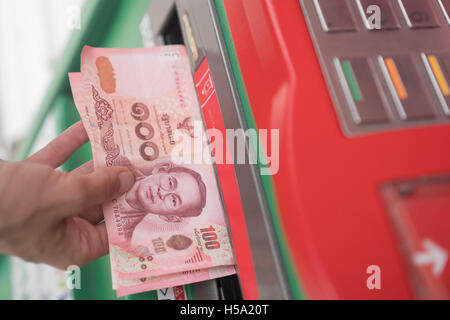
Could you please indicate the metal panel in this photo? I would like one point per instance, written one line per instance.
(206, 290)
(159, 12)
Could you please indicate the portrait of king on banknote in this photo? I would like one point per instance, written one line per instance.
(164, 194)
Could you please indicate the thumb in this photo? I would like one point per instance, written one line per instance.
(83, 191)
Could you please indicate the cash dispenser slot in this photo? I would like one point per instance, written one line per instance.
(171, 33)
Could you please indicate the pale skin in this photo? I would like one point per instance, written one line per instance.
(54, 217)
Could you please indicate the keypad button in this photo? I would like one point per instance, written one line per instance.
(383, 8)
(419, 13)
(445, 6)
(438, 67)
(357, 79)
(406, 86)
(335, 15)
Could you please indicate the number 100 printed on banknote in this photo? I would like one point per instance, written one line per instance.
(138, 106)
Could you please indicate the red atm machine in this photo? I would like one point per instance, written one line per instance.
(359, 207)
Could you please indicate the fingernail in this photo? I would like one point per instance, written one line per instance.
(126, 179)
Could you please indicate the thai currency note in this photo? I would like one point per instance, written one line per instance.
(127, 287)
(138, 105)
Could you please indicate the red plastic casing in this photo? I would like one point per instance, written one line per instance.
(328, 185)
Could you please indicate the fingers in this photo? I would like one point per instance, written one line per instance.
(103, 237)
(93, 214)
(82, 243)
(62, 147)
(87, 167)
(93, 242)
(77, 192)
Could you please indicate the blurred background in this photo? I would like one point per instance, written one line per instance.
(33, 34)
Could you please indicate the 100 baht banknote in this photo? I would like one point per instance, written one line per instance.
(132, 102)
(131, 286)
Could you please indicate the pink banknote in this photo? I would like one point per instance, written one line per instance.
(137, 105)
(127, 287)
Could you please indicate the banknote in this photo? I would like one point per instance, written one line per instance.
(127, 287)
(137, 105)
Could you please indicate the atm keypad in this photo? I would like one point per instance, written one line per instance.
(405, 84)
(419, 13)
(360, 87)
(385, 72)
(334, 16)
(438, 67)
(388, 20)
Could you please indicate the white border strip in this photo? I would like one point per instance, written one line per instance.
(435, 83)
(321, 16)
(392, 89)
(400, 2)
(348, 94)
(363, 15)
(444, 11)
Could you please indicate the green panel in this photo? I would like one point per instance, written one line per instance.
(150, 295)
(189, 289)
(66, 116)
(266, 179)
(5, 278)
(124, 33)
(96, 281)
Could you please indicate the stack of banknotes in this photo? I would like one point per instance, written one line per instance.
(139, 106)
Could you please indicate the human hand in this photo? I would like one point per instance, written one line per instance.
(54, 217)
(125, 162)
